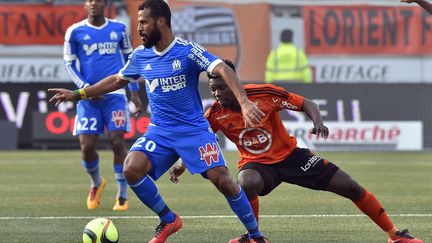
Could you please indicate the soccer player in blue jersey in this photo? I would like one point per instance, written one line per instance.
(95, 48)
(170, 67)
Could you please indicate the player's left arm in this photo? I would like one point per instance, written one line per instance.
(251, 113)
(312, 111)
(176, 171)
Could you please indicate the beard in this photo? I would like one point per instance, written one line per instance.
(153, 38)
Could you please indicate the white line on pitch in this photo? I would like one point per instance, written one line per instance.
(213, 216)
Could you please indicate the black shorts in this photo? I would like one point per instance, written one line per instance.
(301, 168)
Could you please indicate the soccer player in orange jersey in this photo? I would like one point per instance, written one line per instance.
(270, 156)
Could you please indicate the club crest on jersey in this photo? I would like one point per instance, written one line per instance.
(119, 118)
(176, 65)
(113, 35)
(209, 153)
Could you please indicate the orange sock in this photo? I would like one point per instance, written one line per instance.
(255, 206)
(370, 206)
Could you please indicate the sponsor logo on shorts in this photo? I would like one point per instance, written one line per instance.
(119, 118)
(312, 161)
(209, 153)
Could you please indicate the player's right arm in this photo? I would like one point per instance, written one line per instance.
(129, 73)
(251, 113)
(70, 57)
(423, 3)
(106, 85)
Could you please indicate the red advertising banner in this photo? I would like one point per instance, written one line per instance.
(239, 32)
(37, 24)
(361, 29)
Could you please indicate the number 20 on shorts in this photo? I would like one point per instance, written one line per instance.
(143, 143)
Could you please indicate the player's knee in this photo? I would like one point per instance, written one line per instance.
(355, 190)
(88, 148)
(249, 185)
(135, 167)
(225, 184)
(118, 144)
(129, 171)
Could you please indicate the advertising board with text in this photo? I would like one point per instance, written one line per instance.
(357, 136)
(26, 105)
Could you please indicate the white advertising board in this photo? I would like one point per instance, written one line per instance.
(32, 69)
(357, 136)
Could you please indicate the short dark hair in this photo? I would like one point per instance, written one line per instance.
(158, 8)
(287, 35)
(227, 62)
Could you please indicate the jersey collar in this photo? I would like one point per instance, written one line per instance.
(97, 27)
(161, 53)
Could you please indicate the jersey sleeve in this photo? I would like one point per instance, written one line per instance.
(288, 100)
(130, 70)
(276, 97)
(204, 60)
(209, 117)
(70, 57)
(126, 49)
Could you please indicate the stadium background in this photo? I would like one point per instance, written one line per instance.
(370, 64)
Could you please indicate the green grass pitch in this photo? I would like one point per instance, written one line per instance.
(43, 197)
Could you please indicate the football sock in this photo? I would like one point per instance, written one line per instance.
(92, 168)
(121, 181)
(147, 192)
(370, 206)
(241, 207)
(255, 206)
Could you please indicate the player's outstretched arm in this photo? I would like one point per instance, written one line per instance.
(423, 3)
(311, 109)
(106, 85)
(251, 113)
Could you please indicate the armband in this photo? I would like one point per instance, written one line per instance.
(80, 94)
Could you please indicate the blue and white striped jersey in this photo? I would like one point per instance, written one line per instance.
(171, 79)
(92, 53)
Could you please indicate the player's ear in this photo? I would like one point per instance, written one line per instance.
(161, 21)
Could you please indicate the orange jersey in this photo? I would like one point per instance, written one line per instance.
(267, 143)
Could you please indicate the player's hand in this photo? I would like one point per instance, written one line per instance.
(252, 115)
(175, 172)
(320, 130)
(61, 95)
(137, 102)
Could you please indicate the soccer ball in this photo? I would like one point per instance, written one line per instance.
(100, 230)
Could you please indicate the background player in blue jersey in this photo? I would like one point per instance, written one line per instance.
(95, 48)
(170, 67)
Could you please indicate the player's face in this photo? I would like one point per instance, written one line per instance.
(221, 92)
(94, 8)
(147, 29)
